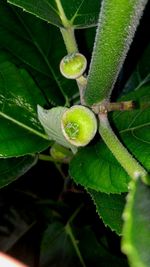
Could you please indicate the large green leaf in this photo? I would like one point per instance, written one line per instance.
(57, 247)
(58, 250)
(21, 133)
(40, 48)
(12, 169)
(141, 74)
(96, 168)
(136, 231)
(110, 209)
(79, 13)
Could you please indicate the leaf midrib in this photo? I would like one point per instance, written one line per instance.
(135, 128)
(22, 125)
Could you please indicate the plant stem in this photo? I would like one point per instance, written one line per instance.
(131, 166)
(46, 158)
(71, 235)
(69, 39)
(82, 83)
(51, 159)
(71, 46)
(70, 42)
(111, 106)
(73, 216)
(74, 242)
(116, 28)
(67, 30)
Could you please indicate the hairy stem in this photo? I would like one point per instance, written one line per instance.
(131, 166)
(117, 25)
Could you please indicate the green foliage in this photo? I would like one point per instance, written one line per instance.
(136, 232)
(53, 252)
(97, 168)
(80, 14)
(21, 132)
(33, 97)
(35, 51)
(12, 169)
(110, 208)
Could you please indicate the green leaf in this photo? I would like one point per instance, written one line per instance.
(57, 250)
(98, 254)
(141, 74)
(136, 231)
(12, 169)
(134, 126)
(95, 167)
(57, 247)
(40, 48)
(78, 14)
(110, 209)
(21, 132)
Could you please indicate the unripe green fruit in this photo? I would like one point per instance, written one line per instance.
(79, 125)
(60, 153)
(73, 65)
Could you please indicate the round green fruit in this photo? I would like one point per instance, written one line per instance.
(79, 125)
(73, 65)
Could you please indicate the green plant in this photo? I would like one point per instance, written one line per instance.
(41, 107)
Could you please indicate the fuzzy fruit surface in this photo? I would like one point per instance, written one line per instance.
(73, 65)
(79, 125)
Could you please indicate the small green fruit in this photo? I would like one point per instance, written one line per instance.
(73, 65)
(60, 153)
(79, 125)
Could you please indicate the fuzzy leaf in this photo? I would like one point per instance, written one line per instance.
(136, 230)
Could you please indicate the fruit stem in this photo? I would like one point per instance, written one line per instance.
(51, 159)
(82, 82)
(127, 161)
(71, 47)
(69, 39)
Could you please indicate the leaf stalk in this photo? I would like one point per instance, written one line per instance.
(127, 161)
